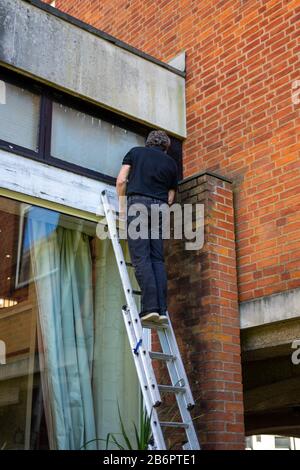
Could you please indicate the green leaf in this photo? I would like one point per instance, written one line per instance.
(142, 435)
(120, 447)
(107, 441)
(124, 434)
(138, 438)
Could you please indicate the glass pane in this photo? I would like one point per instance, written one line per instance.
(19, 116)
(65, 359)
(282, 442)
(90, 142)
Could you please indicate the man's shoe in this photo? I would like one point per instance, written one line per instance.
(163, 319)
(152, 316)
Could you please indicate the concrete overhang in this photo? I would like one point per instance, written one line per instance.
(270, 309)
(59, 50)
(270, 325)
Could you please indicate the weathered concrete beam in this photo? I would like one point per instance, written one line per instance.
(61, 188)
(269, 309)
(52, 49)
(270, 340)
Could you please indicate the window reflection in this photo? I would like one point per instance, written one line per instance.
(67, 358)
(19, 116)
(30, 217)
(90, 142)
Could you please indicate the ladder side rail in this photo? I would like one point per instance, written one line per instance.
(186, 418)
(174, 370)
(179, 364)
(181, 398)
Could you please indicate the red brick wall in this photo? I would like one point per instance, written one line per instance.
(242, 59)
(203, 301)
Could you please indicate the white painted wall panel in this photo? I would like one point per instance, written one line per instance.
(52, 184)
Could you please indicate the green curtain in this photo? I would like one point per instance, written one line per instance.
(115, 379)
(62, 270)
(86, 364)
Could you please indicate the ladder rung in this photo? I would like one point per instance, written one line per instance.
(171, 389)
(173, 424)
(161, 356)
(136, 292)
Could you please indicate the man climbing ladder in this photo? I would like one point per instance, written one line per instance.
(148, 178)
(152, 176)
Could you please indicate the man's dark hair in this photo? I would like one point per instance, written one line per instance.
(158, 139)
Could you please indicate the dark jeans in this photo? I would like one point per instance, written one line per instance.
(147, 256)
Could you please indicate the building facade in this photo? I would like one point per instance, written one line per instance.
(68, 115)
(222, 78)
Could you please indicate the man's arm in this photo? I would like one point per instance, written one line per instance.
(121, 187)
(173, 185)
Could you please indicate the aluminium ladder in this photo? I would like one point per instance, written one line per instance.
(151, 390)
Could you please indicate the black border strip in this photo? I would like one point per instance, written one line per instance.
(98, 32)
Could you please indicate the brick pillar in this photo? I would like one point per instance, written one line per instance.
(203, 303)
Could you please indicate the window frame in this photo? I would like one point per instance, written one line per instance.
(16, 80)
(48, 95)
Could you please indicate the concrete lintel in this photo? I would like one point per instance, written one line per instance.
(273, 308)
(50, 8)
(37, 42)
(63, 189)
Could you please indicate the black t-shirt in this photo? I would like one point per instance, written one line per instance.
(152, 172)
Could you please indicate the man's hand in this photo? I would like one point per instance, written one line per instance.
(171, 196)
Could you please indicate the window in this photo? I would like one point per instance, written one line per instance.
(39, 122)
(89, 141)
(44, 124)
(67, 360)
(19, 116)
(282, 442)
